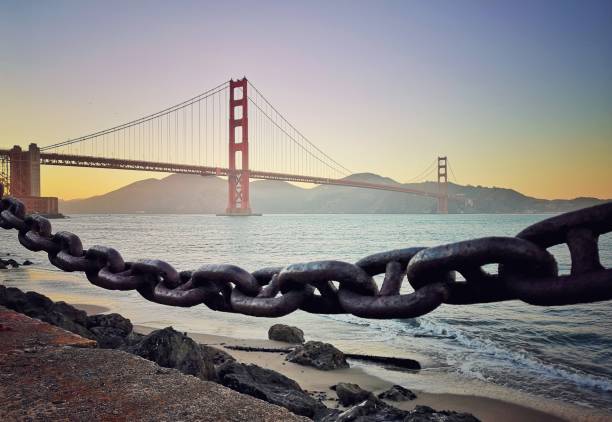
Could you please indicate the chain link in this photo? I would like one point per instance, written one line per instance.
(525, 271)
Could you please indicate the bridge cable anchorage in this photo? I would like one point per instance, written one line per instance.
(526, 271)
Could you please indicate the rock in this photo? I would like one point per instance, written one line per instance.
(110, 320)
(41, 307)
(320, 355)
(108, 337)
(286, 333)
(375, 410)
(132, 338)
(370, 410)
(350, 394)
(218, 356)
(35, 302)
(110, 330)
(270, 386)
(397, 393)
(77, 315)
(31, 303)
(12, 263)
(60, 320)
(426, 413)
(27, 262)
(171, 349)
(2, 265)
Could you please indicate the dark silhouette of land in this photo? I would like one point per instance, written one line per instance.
(181, 193)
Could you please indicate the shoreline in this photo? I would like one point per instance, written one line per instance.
(314, 380)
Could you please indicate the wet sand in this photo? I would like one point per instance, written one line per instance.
(312, 379)
(91, 309)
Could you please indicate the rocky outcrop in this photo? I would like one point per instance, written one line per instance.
(375, 410)
(217, 356)
(319, 355)
(270, 386)
(110, 330)
(286, 333)
(350, 394)
(171, 349)
(41, 307)
(397, 393)
(6, 263)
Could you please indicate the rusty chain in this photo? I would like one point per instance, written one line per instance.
(526, 271)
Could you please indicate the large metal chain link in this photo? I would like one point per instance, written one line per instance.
(526, 271)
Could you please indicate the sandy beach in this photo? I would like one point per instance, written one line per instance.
(314, 380)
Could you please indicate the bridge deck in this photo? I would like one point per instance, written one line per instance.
(54, 159)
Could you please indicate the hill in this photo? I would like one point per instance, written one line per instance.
(182, 193)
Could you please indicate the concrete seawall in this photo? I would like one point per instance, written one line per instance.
(49, 373)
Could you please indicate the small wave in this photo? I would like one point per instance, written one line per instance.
(496, 354)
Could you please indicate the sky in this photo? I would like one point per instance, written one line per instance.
(517, 94)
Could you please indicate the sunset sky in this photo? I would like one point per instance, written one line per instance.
(517, 94)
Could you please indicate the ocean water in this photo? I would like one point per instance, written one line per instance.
(552, 358)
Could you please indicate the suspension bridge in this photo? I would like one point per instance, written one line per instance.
(231, 130)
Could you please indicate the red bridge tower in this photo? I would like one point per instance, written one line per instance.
(442, 186)
(238, 177)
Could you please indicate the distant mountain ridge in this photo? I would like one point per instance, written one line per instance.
(188, 194)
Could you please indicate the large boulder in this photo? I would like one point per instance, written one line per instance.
(270, 386)
(76, 315)
(110, 320)
(60, 320)
(41, 307)
(32, 304)
(426, 413)
(375, 410)
(110, 330)
(320, 355)
(218, 356)
(350, 394)
(171, 349)
(397, 393)
(286, 333)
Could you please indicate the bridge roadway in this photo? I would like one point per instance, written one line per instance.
(67, 160)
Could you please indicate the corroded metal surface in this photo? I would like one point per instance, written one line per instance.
(47, 373)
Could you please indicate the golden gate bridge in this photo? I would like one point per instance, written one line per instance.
(231, 130)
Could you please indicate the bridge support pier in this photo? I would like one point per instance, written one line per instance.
(24, 180)
(442, 186)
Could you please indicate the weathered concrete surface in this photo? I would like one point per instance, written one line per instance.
(47, 373)
(19, 332)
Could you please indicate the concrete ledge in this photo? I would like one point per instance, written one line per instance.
(47, 373)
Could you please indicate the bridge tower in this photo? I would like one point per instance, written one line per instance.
(442, 186)
(238, 176)
(21, 169)
(24, 171)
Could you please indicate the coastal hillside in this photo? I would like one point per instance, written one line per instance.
(181, 193)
